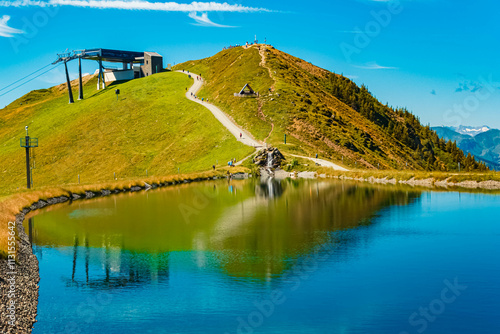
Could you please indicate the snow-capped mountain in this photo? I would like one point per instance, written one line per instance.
(470, 130)
(481, 141)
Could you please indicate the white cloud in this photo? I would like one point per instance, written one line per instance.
(5, 30)
(137, 5)
(204, 21)
(375, 66)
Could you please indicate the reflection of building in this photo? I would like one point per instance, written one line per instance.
(110, 266)
(118, 268)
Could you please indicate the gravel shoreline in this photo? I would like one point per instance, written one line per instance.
(25, 277)
(26, 280)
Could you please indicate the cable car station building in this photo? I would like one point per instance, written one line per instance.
(134, 65)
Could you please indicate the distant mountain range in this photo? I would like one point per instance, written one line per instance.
(482, 142)
(470, 130)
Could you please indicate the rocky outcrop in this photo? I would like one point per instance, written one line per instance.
(269, 157)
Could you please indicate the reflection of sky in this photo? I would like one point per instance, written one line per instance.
(376, 276)
(84, 213)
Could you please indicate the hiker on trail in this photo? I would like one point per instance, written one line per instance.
(213, 167)
(182, 70)
(316, 155)
(241, 135)
(202, 99)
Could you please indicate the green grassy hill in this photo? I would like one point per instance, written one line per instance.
(321, 112)
(151, 127)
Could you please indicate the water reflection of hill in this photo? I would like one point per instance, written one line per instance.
(250, 229)
(306, 216)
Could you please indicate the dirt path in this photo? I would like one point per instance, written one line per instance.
(236, 130)
(263, 64)
(323, 163)
(220, 115)
(269, 135)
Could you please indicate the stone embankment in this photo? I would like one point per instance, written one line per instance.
(429, 182)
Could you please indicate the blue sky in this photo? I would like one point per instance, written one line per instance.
(438, 58)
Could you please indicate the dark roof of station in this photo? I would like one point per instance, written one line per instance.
(117, 56)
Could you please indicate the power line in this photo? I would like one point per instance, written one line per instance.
(25, 77)
(24, 83)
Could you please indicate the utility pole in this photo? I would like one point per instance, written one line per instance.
(28, 143)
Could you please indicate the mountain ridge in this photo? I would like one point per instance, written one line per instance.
(470, 130)
(321, 112)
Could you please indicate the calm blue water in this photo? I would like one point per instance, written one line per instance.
(296, 257)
